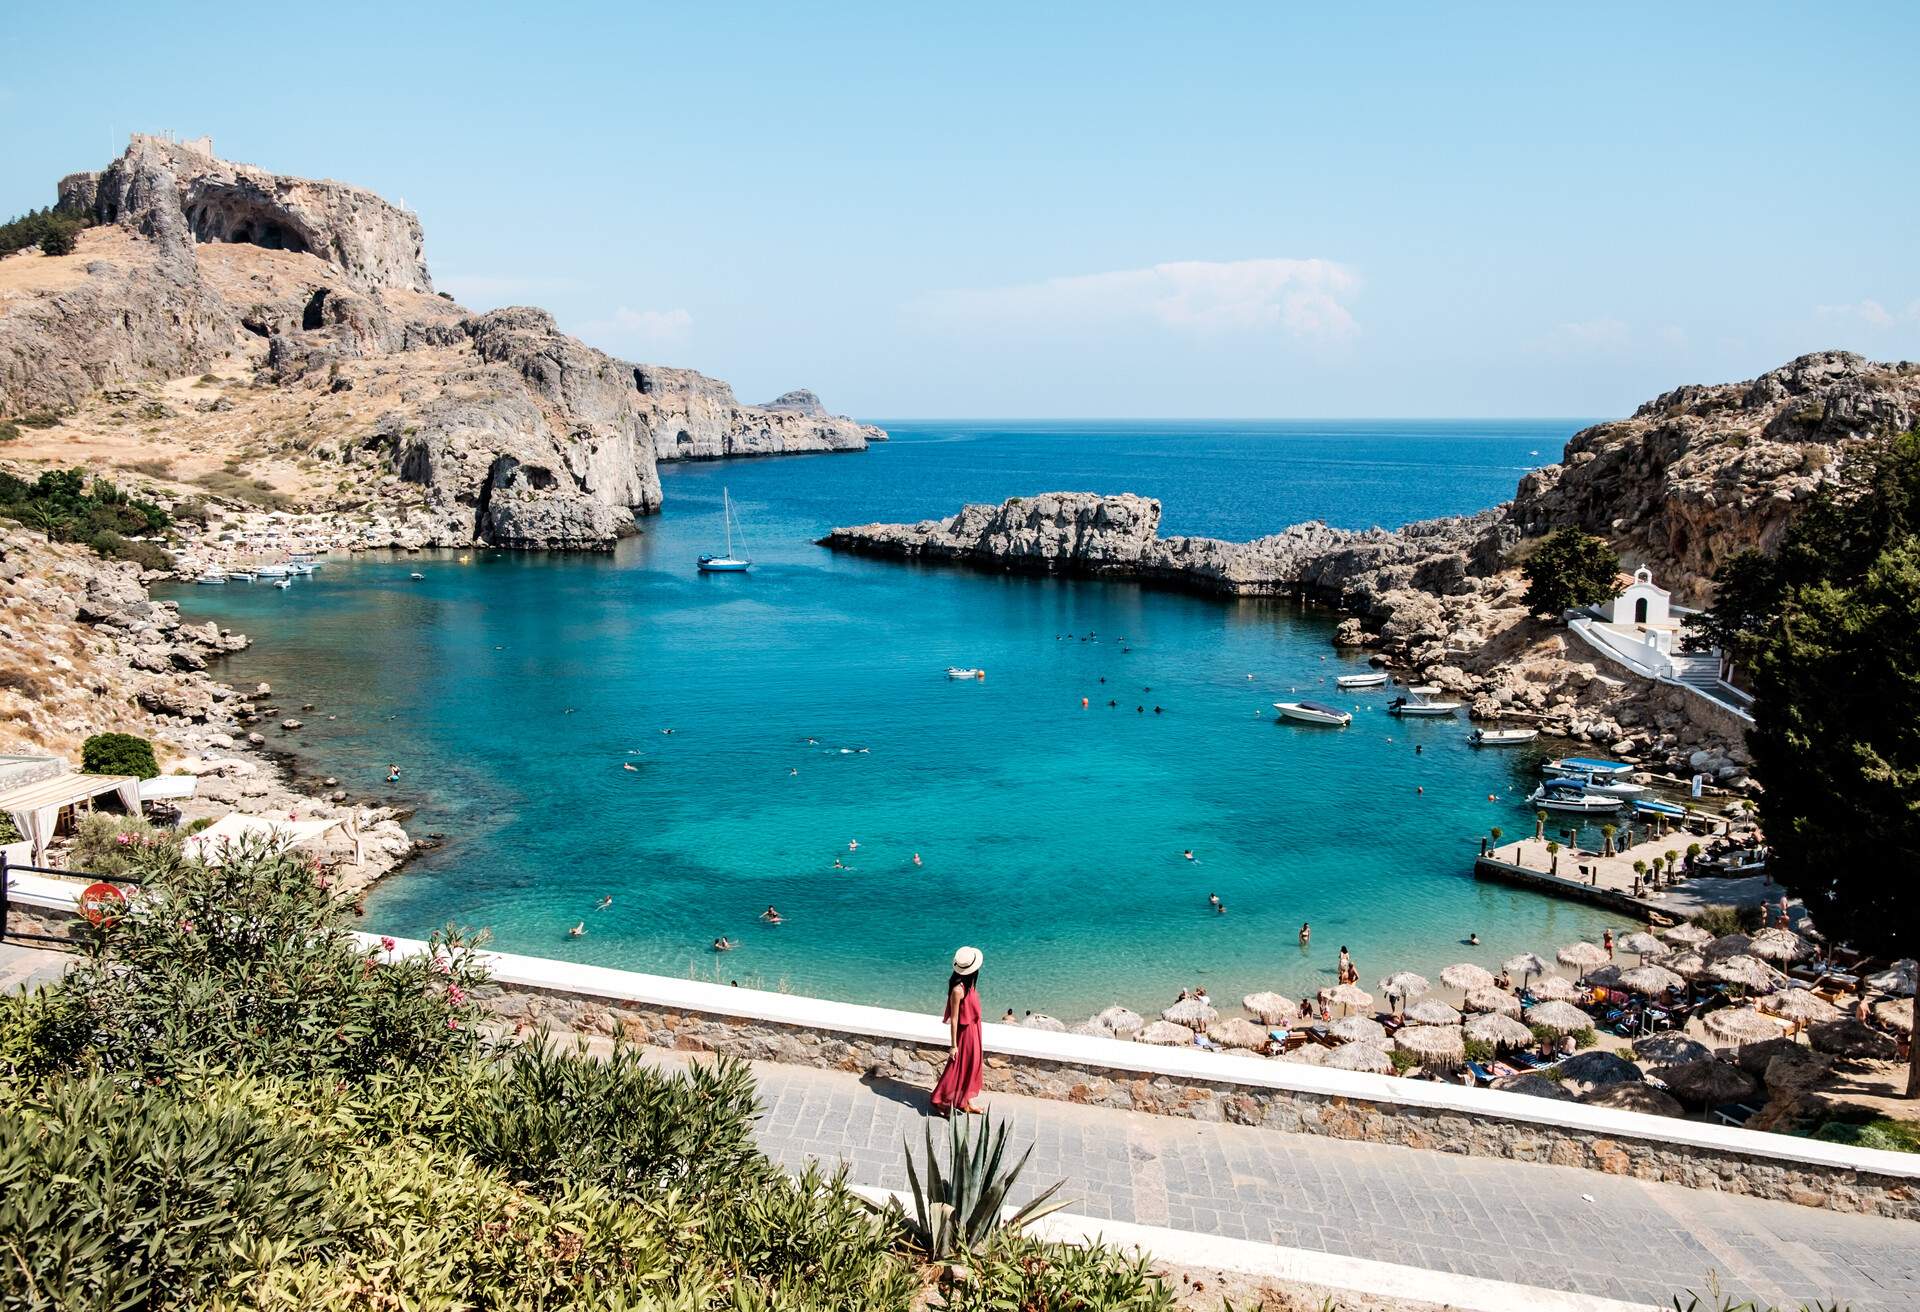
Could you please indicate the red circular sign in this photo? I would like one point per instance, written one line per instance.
(97, 902)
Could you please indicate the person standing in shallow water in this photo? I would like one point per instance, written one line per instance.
(960, 1083)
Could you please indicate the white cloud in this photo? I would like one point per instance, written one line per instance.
(1871, 313)
(648, 327)
(1299, 298)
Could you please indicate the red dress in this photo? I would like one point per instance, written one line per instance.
(960, 1082)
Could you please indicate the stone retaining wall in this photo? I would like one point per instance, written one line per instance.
(1294, 1111)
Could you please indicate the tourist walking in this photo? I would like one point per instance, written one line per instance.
(960, 1083)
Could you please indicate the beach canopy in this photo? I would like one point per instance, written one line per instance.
(1534, 1085)
(1670, 1049)
(1560, 1017)
(1779, 945)
(1553, 988)
(1119, 1022)
(233, 832)
(1432, 1011)
(1494, 1000)
(1898, 980)
(1524, 964)
(1739, 1025)
(1359, 1029)
(1687, 935)
(1501, 1031)
(1166, 1034)
(1359, 1057)
(1192, 1013)
(1466, 976)
(1036, 1021)
(1707, 1082)
(1586, 1071)
(1727, 945)
(1239, 1033)
(1404, 984)
(1647, 978)
(35, 807)
(1607, 973)
(1311, 1054)
(1629, 1096)
(1644, 945)
(1801, 1005)
(1349, 995)
(1434, 1045)
(1273, 1008)
(1582, 955)
(1690, 964)
(1749, 972)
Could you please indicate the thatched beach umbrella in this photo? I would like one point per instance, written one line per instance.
(1270, 1007)
(1555, 989)
(1526, 965)
(1689, 964)
(1359, 1029)
(1707, 1083)
(1738, 1025)
(1036, 1021)
(1119, 1022)
(1439, 1046)
(1191, 1012)
(1359, 1057)
(1670, 1049)
(1239, 1033)
(1898, 980)
(1650, 979)
(1493, 1000)
(1582, 955)
(1606, 974)
(1586, 1071)
(1779, 945)
(1560, 1017)
(1631, 1097)
(1432, 1011)
(1404, 984)
(1466, 977)
(1727, 945)
(1310, 1055)
(1801, 1006)
(1534, 1085)
(1500, 1031)
(1349, 995)
(1166, 1034)
(1686, 935)
(1644, 945)
(1748, 972)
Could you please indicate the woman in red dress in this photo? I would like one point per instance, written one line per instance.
(960, 1082)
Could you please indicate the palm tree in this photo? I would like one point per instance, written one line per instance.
(1495, 833)
(1606, 839)
(1553, 851)
(1539, 825)
(1639, 874)
(1672, 857)
(1693, 853)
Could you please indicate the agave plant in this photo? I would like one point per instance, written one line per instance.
(955, 1212)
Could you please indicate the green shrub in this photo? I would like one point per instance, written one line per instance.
(9, 431)
(1016, 1271)
(1567, 570)
(8, 834)
(1872, 1132)
(118, 753)
(119, 844)
(960, 1208)
(67, 507)
(34, 227)
(1480, 1050)
(1720, 921)
(58, 237)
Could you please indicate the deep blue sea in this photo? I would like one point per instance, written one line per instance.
(810, 711)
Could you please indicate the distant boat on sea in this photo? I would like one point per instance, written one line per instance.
(1373, 680)
(726, 564)
(1502, 737)
(1314, 713)
(1411, 706)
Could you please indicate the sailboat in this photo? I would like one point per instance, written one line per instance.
(725, 564)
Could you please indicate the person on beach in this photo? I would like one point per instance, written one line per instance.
(770, 915)
(1009, 1018)
(1606, 941)
(1346, 964)
(961, 1081)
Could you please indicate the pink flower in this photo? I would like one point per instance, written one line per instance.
(454, 994)
(323, 881)
(123, 840)
(386, 943)
(452, 1024)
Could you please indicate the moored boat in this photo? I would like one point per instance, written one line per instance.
(1571, 795)
(212, 576)
(1373, 680)
(955, 672)
(1416, 706)
(1607, 785)
(1588, 766)
(1314, 713)
(729, 563)
(1502, 737)
(1654, 806)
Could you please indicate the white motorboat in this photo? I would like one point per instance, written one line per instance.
(1314, 713)
(1607, 785)
(283, 583)
(1502, 737)
(1589, 767)
(955, 672)
(1571, 795)
(212, 576)
(1654, 806)
(1373, 680)
(729, 563)
(272, 572)
(1412, 706)
(1425, 690)
(240, 576)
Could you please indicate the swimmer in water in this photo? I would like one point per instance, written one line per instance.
(1213, 900)
(853, 845)
(838, 864)
(629, 765)
(813, 742)
(578, 931)
(603, 903)
(722, 945)
(666, 731)
(1306, 934)
(791, 772)
(1188, 854)
(393, 774)
(1473, 940)
(916, 858)
(770, 915)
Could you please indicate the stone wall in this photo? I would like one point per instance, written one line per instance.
(1648, 1157)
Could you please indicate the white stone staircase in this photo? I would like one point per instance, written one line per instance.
(1702, 674)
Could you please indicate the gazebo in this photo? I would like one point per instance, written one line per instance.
(36, 807)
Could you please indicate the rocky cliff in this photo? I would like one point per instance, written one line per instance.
(342, 378)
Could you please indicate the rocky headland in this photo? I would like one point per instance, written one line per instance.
(1689, 479)
(263, 339)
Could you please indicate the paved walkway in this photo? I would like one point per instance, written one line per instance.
(1545, 1226)
(22, 968)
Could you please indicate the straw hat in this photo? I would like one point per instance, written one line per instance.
(966, 961)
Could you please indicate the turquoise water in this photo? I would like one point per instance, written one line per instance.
(513, 689)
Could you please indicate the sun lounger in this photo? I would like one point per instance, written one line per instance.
(1480, 1073)
(1734, 1113)
(1202, 1041)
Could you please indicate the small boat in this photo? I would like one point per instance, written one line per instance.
(1502, 737)
(1425, 690)
(1373, 680)
(240, 576)
(1411, 706)
(1654, 806)
(272, 571)
(726, 564)
(283, 583)
(955, 672)
(1607, 785)
(1588, 766)
(1571, 795)
(212, 576)
(416, 575)
(1314, 713)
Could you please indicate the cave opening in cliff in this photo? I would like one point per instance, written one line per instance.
(243, 220)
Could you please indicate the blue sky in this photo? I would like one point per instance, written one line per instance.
(1259, 210)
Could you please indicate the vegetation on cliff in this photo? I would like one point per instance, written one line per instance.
(66, 506)
(231, 1104)
(51, 229)
(1568, 570)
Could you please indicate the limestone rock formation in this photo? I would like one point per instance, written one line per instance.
(495, 428)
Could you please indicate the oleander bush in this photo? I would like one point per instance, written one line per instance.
(119, 753)
(117, 844)
(230, 1103)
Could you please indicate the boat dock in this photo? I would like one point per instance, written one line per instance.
(1609, 881)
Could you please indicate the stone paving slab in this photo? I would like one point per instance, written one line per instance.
(23, 969)
(1546, 1226)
